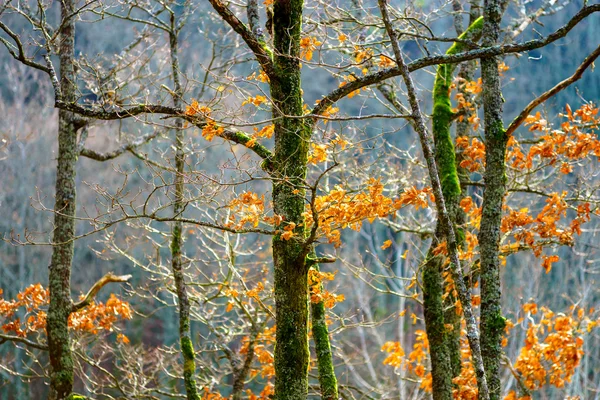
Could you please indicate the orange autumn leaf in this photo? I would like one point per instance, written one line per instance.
(415, 197)
(307, 46)
(386, 244)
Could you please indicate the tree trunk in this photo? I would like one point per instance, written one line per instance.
(444, 343)
(492, 322)
(290, 159)
(320, 333)
(443, 216)
(61, 359)
(185, 337)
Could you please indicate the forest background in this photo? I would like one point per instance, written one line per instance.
(372, 287)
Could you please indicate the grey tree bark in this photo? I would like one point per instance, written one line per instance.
(59, 344)
(491, 321)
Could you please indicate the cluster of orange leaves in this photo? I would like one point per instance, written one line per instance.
(545, 225)
(529, 231)
(553, 346)
(263, 347)
(552, 351)
(233, 294)
(319, 152)
(90, 319)
(336, 210)
(340, 209)
(569, 142)
(415, 362)
(266, 394)
(261, 77)
(248, 208)
(473, 152)
(386, 62)
(265, 132)
(317, 293)
(210, 128)
(362, 54)
(256, 100)
(307, 46)
(466, 382)
(473, 88)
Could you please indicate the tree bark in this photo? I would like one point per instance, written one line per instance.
(492, 322)
(185, 336)
(292, 136)
(320, 332)
(59, 344)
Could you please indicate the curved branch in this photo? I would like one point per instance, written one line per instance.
(91, 294)
(10, 338)
(20, 56)
(121, 113)
(94, 155)
(589, 60)
(231, 135)
(242, 138)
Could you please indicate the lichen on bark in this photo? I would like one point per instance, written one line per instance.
(292, 136)
(185, 341)
(320, 333)
(496, 140)
(59, 277)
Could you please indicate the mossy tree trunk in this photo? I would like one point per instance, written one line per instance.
(59, 279)
(320, 333)
(443, 216)
(492, 322)
(292, 136)
(177, 258)
(439, 312)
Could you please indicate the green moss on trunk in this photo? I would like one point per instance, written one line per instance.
(433, 310)
(185, 341)
(292, 136)
(291, 301)
(320, 333)
(445, 351)
(496, 141)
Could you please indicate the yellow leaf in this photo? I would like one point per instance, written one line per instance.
(386, 244)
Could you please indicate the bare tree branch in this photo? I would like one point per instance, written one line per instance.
(589, 60)
(10, 338)
(91, 294)
(19, 54)
(94, 155)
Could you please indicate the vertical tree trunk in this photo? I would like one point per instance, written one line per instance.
(185, 337)
(492, 322)
(320, 333)
(61, 359)
(444, 344)
(291, 151)
(443, 216)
